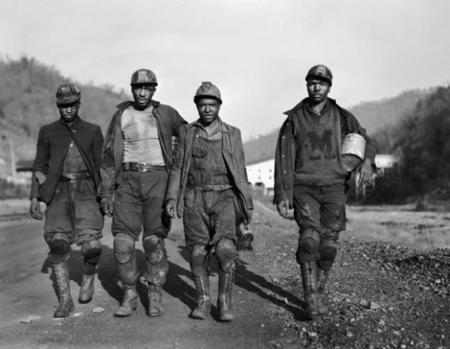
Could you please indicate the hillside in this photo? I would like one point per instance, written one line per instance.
(27, 101)
(374, 116)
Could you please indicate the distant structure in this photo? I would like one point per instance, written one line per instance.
(261, 174)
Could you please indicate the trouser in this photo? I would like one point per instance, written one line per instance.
(209, 216)
(320, 214)
(74, 216)
(138, 203)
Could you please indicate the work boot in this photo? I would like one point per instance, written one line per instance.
(203, 308)
(155, 307)
(129, 301)
(322, 279)
(61, 273)
(314, 305)
(87, 284)
(225, 289)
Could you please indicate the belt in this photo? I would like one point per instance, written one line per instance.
(141, 167)
(74, 176)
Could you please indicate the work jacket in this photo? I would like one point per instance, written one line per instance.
(168, 122)
(285, 154)
(233, 155)
(53, 143)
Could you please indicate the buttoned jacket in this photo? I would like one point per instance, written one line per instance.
(53, 143)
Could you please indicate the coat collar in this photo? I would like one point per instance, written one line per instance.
(304, 103)
(223, 127)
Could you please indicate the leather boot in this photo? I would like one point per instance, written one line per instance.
(203, 308)
(155, 307)
(322, 279)
(225, 289)
(129, 301)
(87, 284)
(61, 273)
(314, 305)
(128, 275)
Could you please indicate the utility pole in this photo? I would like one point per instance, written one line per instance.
(13, 160)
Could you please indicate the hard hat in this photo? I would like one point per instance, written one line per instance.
(320, 72)
(67, 94)
(143, 76)
(207, 90)
(353, 150)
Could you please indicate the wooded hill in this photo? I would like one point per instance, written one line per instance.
(374, 116)
(27, 101)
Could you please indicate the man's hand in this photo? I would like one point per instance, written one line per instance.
(284, 208)
(107, 206)
(171, 208)
(35, 209)
(365, 172)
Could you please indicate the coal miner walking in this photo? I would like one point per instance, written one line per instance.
(319, 145)
(66, 176)
(208, 180)
(137, 158)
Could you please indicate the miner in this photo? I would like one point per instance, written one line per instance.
(137, 158)
(208, 182)
(66, 176)
(319, 145)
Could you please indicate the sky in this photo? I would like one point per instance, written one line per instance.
(256, 51)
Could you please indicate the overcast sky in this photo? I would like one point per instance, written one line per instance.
(256, 51)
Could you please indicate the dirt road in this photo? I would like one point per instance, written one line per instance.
(27, 302)
(381, 295)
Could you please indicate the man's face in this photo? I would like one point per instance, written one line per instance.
(69, 112)
(208, 110)
(142, 95)
(317, 90)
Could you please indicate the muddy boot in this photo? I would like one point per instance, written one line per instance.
(61, 273)
(87, 284)
(155, 307)
(322, 279)
(128, 277)
(129, 301)
(203, 308)
(314, 305)
(225, 289)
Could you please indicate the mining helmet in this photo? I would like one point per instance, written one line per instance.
(67, 94)
(353, 150)
(207, 90)
(320, 72)
(143, 77)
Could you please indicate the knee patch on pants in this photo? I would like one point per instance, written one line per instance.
(198, 260)
(91, 251)
(328, 251)
(123, 248)
(308, 246)
(59, 250)
(155, 252)
(226, 254)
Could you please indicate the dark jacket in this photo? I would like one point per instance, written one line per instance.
(286, 147)
(52, 146)
(233, 155)
(168, 122)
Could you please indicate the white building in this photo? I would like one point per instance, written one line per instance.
(261, 174)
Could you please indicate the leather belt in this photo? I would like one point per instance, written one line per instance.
(74, 176)
(141, 167)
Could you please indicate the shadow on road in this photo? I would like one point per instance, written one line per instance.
(176, 286)
(258, 285)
